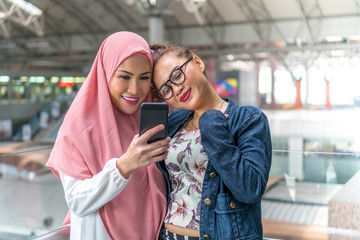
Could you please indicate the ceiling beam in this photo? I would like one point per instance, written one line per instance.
(258, 16)
(127, 20)
(214, 27)
(307, 10)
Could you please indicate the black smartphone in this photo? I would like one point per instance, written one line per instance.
(152, 114)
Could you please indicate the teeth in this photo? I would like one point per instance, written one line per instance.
(130, 99)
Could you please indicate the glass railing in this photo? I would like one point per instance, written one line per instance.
(310, 195)
(31, 199)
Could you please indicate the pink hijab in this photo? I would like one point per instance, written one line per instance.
(94, 131)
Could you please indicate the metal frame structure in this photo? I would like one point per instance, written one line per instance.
(73, 30)
(22, 13)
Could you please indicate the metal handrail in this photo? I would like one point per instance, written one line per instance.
(62, 233)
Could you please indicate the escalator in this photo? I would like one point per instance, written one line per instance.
(46, 123)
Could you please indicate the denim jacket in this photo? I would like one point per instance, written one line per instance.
(239, 151)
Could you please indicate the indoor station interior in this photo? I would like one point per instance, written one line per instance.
(296, 60)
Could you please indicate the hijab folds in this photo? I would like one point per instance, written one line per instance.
(94, 131)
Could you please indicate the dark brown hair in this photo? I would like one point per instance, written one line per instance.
(157, 51)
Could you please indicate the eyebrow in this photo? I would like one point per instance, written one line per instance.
(145, 73)
(132, 73)
(176, 67)
(125, 72)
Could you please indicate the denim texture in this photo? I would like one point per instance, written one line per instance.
(239, 151)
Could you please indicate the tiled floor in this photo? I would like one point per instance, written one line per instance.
(30, 207)
(302, 203)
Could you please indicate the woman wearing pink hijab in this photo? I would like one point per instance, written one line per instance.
(112, 185)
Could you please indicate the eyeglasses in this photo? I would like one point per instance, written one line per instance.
(177, 77)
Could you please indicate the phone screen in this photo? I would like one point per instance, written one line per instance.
(152, 114)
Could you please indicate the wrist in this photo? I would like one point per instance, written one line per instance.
(123, 167)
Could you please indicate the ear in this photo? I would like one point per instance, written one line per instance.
(199, 63)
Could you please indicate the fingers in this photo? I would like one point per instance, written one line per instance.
(150, 132)
(161, 143)
(159, 147)
(158, 157)
(158, 150)
(226, 116)
(141, 154)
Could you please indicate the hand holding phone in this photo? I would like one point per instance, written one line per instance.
(152, 114)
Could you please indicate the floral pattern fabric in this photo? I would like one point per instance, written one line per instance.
(186, 164)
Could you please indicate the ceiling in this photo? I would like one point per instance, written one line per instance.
(68, 35)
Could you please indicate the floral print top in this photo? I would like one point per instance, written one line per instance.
(186, 164)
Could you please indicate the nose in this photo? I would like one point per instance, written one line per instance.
(177, 89)
(133, 86)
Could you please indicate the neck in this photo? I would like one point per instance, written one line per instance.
(212, 102)
(216, 103)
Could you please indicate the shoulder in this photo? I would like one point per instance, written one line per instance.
(250, 111)
(179, 115)
(245, 114)
(177, 118)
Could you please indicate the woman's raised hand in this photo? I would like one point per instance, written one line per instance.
(141, 154)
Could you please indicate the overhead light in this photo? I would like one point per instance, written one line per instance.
(79, 79)
(54, 79)
(230, 57)
(66, 81)
(24, 78)
(4, 79)
(354, 37)
(334, 39)
(27, 7)
(36, 79)
(151, 2)
(245, 66)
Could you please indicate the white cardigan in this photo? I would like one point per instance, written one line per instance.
(85, 197)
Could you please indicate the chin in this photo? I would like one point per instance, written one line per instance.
(127, 109)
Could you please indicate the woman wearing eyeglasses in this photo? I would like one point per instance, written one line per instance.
(219, 158)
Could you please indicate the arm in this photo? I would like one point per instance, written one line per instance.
(84, 197)
(241, 156)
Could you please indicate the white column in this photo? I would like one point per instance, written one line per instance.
(248, 88)
(156, 29)
(296, 157)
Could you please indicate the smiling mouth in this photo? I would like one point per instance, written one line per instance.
(130, 100)
(185, 96)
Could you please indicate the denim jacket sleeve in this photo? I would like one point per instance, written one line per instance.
(239, 148)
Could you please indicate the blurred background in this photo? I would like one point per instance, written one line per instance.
(297, 60)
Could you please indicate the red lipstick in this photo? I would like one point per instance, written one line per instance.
(185, 96)
(130, 100)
